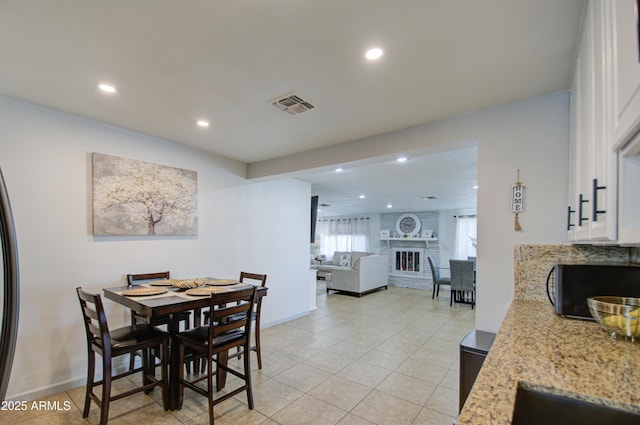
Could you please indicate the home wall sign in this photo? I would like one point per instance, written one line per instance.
(133, 197)
(517, 200)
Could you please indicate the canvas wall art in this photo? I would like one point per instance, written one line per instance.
(132, 197)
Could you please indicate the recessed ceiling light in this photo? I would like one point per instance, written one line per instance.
(107, 88)
(374, 53)
(402, 159)
(475, 187)
(338, 170)
(389, 205)
(362, 196)
(203, 123)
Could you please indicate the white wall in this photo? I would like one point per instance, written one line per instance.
(45, 157)
(532, 135)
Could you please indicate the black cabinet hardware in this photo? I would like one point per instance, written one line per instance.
(580, 217)
(596, 211)
(569, 212)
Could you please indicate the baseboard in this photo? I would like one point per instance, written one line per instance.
(286, 319)
(49, 390)
(44, 392)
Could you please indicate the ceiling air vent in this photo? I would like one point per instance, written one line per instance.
(430, 198)
(292, 104)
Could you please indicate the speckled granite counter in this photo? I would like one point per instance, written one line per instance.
(536, 346)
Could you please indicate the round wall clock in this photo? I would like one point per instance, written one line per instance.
(408, 225)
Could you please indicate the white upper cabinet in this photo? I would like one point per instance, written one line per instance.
(629, 209)
(574, 154)
(625, 69)
(592, 210)
(602, 184)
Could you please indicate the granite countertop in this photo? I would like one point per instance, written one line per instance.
(537, 347)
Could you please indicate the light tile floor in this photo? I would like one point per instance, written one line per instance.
(390, 357)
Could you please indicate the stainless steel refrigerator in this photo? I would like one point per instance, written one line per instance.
(11, 289)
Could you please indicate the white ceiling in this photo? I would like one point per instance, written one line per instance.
(175, 62)
(448, 175)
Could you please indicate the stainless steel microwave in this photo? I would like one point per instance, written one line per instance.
(574, 283)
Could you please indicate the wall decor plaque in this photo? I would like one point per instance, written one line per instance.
(132, 197)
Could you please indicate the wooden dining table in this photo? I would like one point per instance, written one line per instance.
(174, 301)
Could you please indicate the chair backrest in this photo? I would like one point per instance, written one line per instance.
(254, 278)
(95, 322)
(435, 272)
(231, 313)
(474, 261)
(461, 275)
(131, 278)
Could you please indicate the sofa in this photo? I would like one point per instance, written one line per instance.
(356, 272)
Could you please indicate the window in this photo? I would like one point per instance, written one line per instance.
(343, 234)
(465, 237)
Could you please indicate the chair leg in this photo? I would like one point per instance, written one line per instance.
(247, 374)
(147, 367)
(258, 351)
(91, 365)
(132, 360)
(453, 293)
(106, 390)
(210, 390)
(435, 288)
(203, 368)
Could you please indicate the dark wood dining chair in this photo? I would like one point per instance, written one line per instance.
(136, 279)
(229, 327)
(437, 280)
(136, 318)
(256, 280)
(462, 281)
(117, 342)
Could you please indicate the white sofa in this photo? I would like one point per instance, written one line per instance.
(365, 272)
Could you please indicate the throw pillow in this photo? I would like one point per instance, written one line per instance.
(345, 260)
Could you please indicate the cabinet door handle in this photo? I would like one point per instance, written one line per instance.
(580, 217)
(596, 211)
(569, 212)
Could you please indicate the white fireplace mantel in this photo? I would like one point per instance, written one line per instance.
(420, 240)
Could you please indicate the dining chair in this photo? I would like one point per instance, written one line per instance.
(117, 342)
(437, 280)
(462, 281)
(136, 318)
(229, 327)
(256, 280)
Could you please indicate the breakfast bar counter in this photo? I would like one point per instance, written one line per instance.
(537, 348)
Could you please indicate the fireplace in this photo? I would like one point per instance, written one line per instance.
(408, 261)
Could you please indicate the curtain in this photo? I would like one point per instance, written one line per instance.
(343, 234)
(465, 237)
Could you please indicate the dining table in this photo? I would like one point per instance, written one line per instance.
(169, 302)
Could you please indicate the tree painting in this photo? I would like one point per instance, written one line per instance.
(133, 197)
